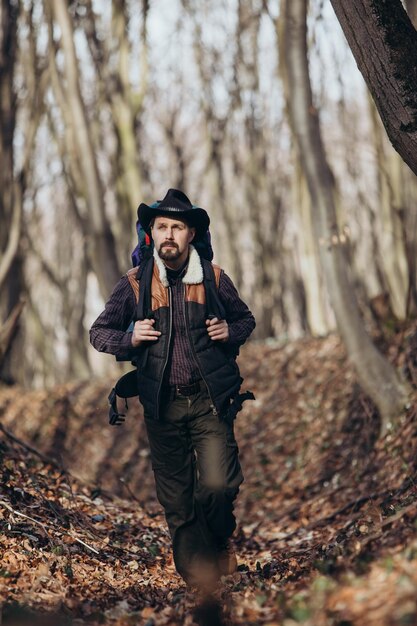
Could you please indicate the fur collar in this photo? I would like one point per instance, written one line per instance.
(193, 275)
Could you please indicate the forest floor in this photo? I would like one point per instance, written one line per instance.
(327, 514)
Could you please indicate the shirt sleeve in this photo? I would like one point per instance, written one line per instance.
(109, 332)
(239, 318)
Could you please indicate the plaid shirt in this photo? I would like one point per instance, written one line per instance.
(109, 332)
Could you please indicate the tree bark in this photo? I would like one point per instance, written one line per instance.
(384, 44)
(262, 199)
(113, 61)
(318, 315)
(389, 226)
(376, 375)
(125, 106)
(11, 264)
(215, 138)
(102, 247)
(8, 329)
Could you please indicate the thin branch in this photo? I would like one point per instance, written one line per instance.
(8, 329)
(9, 508)
(29, 448)
(44, 528)
(10, 252)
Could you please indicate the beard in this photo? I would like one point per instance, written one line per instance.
(168, 254)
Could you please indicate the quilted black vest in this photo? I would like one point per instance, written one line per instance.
(216, 361)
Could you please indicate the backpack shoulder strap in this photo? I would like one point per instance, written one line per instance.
(215, 307)
(144, 278)
(140, 279)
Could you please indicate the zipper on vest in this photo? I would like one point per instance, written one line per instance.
(195, 356)
(167, 354)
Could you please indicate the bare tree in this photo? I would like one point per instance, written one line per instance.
(390, 215)
(378, 378)
(215, 126)
(317, 313)
(113, 61)
(241, 161)
(209, 64)
(84, 140)
(383, 41)
(11, 274)
(102, 245)
(384, 44)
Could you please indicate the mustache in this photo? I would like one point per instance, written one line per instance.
(168, 243)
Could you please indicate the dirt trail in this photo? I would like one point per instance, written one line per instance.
(327, 515)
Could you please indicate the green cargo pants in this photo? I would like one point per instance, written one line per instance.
(197, 473)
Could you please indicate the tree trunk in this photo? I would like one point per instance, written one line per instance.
(377, 377)
(125, 107)
(215, 138)
(102, 248)
(390, 238)
(384, 44)
(262, 199)
(317, 313)
(11, 264)
(113, 61)
(411, 8)
(8, 329)
(319, 317)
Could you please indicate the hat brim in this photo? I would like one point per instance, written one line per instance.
(196, 217)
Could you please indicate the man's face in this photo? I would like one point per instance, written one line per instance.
(171, 238)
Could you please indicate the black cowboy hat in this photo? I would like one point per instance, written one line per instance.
(175, 205)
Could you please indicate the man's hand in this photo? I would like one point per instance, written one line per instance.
(144, 331)
(218, 329)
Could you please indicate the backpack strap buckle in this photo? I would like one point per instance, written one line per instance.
(236, 405)
(115, 418)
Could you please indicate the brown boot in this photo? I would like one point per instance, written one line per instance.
(226, 558)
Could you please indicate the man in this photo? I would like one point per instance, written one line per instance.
(187, 378)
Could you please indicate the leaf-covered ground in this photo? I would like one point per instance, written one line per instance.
(327, 514)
